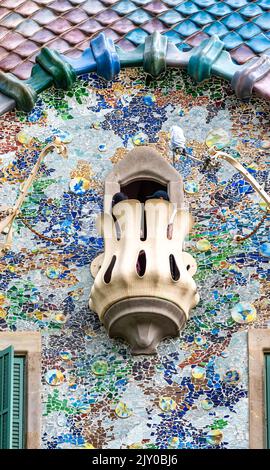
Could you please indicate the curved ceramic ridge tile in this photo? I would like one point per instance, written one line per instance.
(107, 60)
(154, 54)
(262, 87)
(61, 71)
(154, 58)
(243, 80)
(203, 58)
(67, 25)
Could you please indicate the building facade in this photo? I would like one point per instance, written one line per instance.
(70, 384)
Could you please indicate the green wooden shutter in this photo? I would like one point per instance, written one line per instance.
(267, 404)
(18, 403)
(6, 391)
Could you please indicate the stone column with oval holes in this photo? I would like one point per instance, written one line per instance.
(144, 289)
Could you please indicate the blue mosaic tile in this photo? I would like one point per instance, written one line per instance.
(259, 43)
(186, 28)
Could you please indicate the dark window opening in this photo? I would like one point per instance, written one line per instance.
(141, 189)
(108, 273)
(175, 273)
(141, 263)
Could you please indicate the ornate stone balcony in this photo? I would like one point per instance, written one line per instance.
(143, 289)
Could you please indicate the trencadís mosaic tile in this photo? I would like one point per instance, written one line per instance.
(194, 393)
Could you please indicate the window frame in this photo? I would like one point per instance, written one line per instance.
(258, 347)
(28, 344)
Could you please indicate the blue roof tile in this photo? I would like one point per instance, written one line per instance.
(263, 21)
(233, 21)
(232, 40)
(187, 8)
(216, 28)
(248, 30)
(186, 28)
(259, 43)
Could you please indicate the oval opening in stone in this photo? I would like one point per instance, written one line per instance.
(141, 263)
(175, 273)
(108, 273)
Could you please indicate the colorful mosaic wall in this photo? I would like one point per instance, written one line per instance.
(193, 394)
